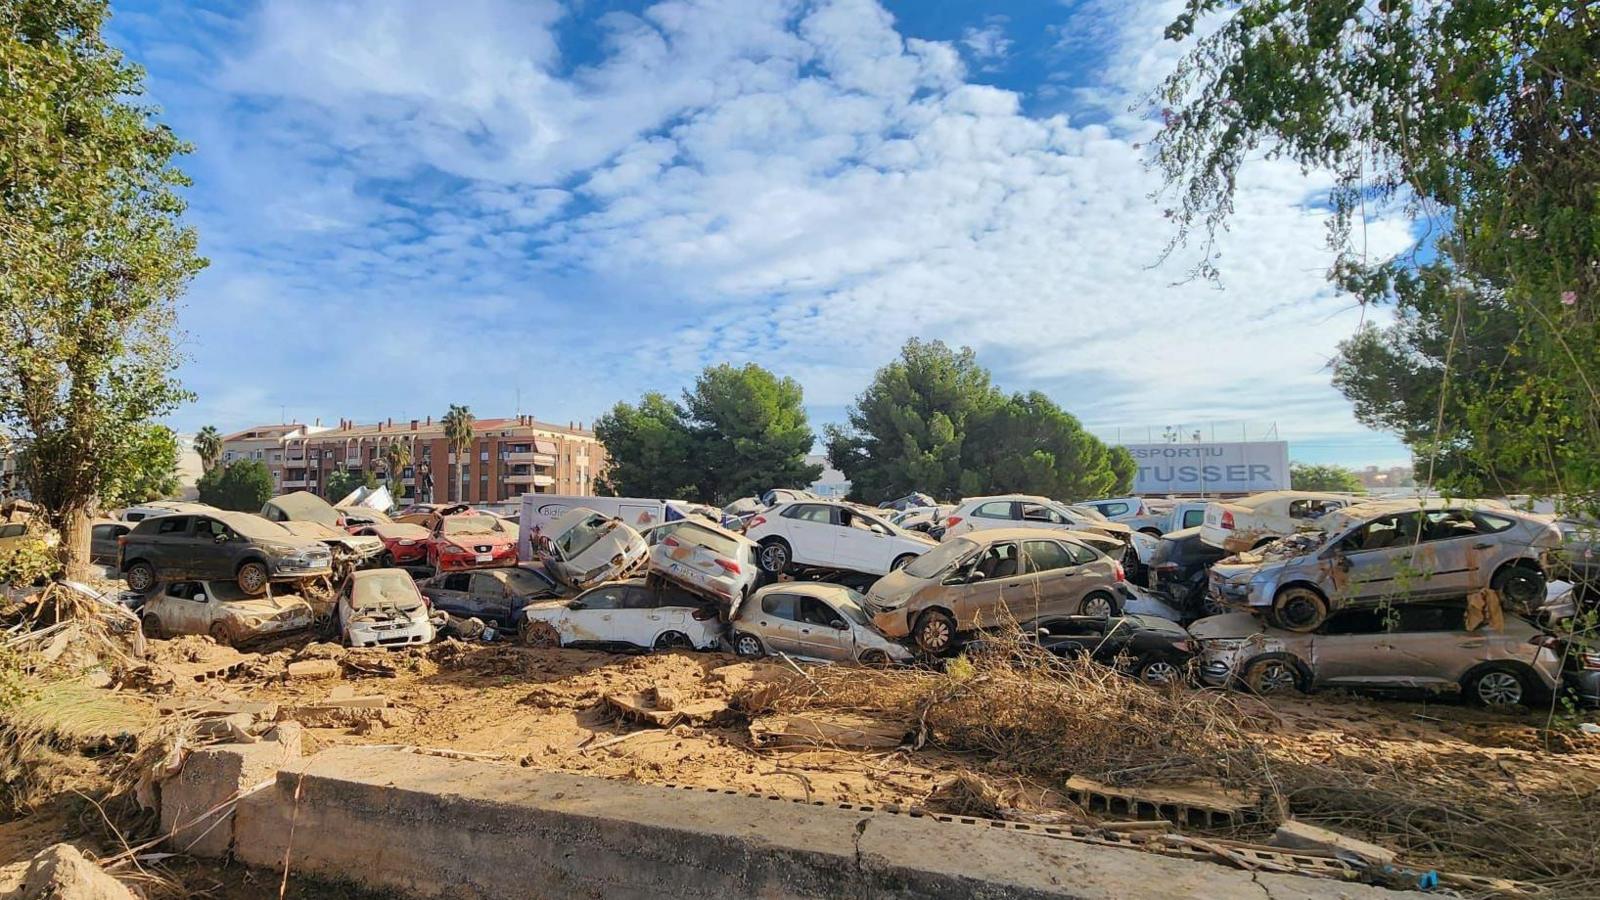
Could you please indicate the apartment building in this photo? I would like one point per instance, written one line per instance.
(267, 444)
(509, 457)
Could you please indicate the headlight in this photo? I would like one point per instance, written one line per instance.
(252, 622)
(407, 542)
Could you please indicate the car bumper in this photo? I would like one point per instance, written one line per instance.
(414, 553)
(893, 623)
(302, 570)
(390, 634)
(1585, 684)
(497, 559)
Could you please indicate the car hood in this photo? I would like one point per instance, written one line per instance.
(1228, 626)
(468, 541)
(321, 533)
(401, 531)
(267, 607)
(544, 611)
(895, 589)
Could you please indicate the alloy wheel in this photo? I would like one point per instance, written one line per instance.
(747, 645)
(1096, 606)
(1159, 672)
(1500, 689)
(774, 558)
(1274, 677)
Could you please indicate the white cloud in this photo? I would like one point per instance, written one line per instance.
(793, 182)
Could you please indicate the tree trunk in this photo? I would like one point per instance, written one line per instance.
(73, 551)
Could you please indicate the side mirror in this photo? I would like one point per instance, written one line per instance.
(220, 539)
(976, 577)
(839, 625)
(1043, 632)
(199, 598)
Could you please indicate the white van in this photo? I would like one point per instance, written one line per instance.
(539, 510)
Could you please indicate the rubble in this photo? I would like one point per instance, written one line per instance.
(1301, 836)
(63, 872)
(826, 729)
(313, 668)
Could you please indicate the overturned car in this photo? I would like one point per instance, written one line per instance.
(584, 548)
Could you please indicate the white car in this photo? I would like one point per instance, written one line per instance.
(1023, 511)
(1249, 522)
(584, 548)
(221, 610)
(920, 518)
(831, 535)
(623, 614)
(1120, 509)
(382, 608)
(705, 558)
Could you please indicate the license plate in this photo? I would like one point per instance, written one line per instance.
(485, 557)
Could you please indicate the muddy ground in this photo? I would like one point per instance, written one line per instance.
(544, 709)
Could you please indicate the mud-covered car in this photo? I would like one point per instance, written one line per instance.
(623, 615)
(1180, 571)
(474, 541)
(491, 595)
(1394, 551)
(103, 540)
(704, 558)
(382, 608)
(1153, 649)
(1416, 646)
(308, 515)
(1250, 522)
(583, 548)
(814, 620)
(220, 609)
(219, 546)
(989, 578)
(404, 544)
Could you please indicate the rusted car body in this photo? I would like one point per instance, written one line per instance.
(220, 609)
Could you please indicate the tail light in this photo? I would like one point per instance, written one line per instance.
(729, 566)
(1227, 520)
(1167, 567)
(1548, 641)
(1589, 660)
(703, 613)
(670, 541)
(756, 522)
(952, 522)
(1121, 575)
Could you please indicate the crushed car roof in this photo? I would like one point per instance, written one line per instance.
(305, 506)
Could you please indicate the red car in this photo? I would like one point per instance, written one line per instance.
(404, 544)
(478, 541)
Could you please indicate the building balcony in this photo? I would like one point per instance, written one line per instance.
(534, 478)
(296, 483)
(537, 459)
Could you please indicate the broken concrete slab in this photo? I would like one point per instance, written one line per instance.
(62, 872)
(642, 708)
(197, 805)
(313, 668)
(828, 729)
(1300, 836)
(1191, 802)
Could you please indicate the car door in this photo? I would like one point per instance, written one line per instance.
(1454, 543)
(817, 635)
(450, 592)
(859, 542)
(181, 611)
(1053, 585)
(1352, 648)
(778, 622)
(1429, 645)
(1037, 515)
(1375, 561)
(993, 514)
(487, 595)
(983, 603)
(217, 546)
(813, 531)
(591, 619)
(103, 542)
(172, 552)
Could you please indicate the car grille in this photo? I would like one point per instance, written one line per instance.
(1215, 670)
(483, 548)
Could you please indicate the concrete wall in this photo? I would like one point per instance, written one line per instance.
(427, 826)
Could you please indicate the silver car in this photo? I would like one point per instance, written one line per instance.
(1419, 645)
(705, 558)
(584, 548)
(811, 619)
(1391, 552)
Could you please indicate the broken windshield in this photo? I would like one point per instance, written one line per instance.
(940, 558)
(583, 535)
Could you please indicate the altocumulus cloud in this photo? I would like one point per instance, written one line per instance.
(413, 203)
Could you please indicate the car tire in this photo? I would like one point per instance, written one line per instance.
(775, 556)
(538, 634)
(220, 633)
(1274, 675)
(1498, 686)
(673, 640)
(1098, 603)
(901, 561)
(935, 632)
(140, 576)
(1158, 671)
(876, 659)
(1298, 608)
(1153, 532)
(386, 561)
(150, 626)
(253, 578)
(1520, 585)
(747, 645)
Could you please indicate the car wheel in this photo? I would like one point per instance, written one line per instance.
(901, 562)
(1497, 686)
(935, 632)
(220, 633)
(141, 577)
(747, 645)
(1159, 672)
(386, 560)
(674, 640)
(1299, 609)
(1098, 603)
(253, 578)
(151, 626)
(877, 659)
(774, 557)
(1270, 675)
(538, 634)
(1520, 585)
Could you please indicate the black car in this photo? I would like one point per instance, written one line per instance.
(1178, 571)
(1155, 650)
(492, 595)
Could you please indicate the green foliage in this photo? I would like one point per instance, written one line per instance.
(147, 470)
(1307, 477)
(28, 560)
(243, 485)
(457, 422)
(208, 443)
(93, 256)
(1479, 116)
(396, 457)
(341, 482)
(932, 421)
(740, 431)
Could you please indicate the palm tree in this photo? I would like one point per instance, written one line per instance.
(208, 443)
(458, 432)
(397, 456)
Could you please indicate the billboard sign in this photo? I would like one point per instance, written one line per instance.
(1227, 468)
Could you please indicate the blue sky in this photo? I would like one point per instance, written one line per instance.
(563, 204)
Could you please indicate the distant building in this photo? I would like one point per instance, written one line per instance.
(1392, 477)
(831, 483)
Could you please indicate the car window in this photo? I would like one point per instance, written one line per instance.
(810, 512)
(183, 590)
(457, 581)
(1081, 555)
(994, 509)
(1444, 524)
(1077, 625)
(583, 535)
(940, 559)
(523, 581)
(1193, 517)
(1396, 530)
(172, 525)
(604, 598)
(780, 605)
(999, 561)
(1112, 509)
(816, 612)
(1490, 524)
(1046, 556)
(1312, 509)
(1033, 512)
(722, 544)
(211, 528)
(1356, 621)
(1411, 617)
(487, 586)
(638, 598)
